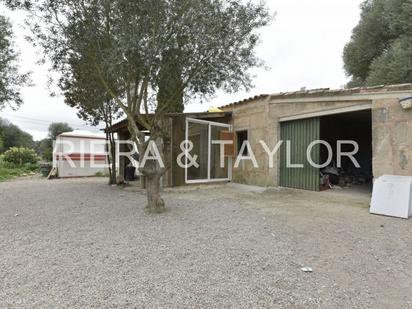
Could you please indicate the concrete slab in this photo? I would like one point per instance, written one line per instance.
(246, 188)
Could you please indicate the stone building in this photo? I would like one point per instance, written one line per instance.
(378, 119)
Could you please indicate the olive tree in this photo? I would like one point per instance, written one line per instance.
(380, 49)
(135, 48)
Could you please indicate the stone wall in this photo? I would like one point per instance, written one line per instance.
(252, 117)
(261, 119)
(287, 109)
(392, 138)
(391, 126)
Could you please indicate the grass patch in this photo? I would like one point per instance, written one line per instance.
(9, 171)
(101, 174)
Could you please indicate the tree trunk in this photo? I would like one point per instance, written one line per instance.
(113, 178)
(153, 172)
(155, 203)
(111, 150)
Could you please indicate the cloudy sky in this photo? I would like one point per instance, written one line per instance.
(302, 48)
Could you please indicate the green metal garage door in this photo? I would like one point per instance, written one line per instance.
(300, 133)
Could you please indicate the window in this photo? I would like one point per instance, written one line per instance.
(242, 136)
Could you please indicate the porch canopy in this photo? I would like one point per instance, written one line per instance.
(221, 117)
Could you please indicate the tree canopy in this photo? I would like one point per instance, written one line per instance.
(210, 43)
(85, 92)
(12, 136)
(11, 80)
(44, 147)
(149, 56)
(57, 128)
(380, 49)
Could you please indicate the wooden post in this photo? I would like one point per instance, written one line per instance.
(122, 159)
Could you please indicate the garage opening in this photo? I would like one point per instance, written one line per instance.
(341, 131)
(353, 126)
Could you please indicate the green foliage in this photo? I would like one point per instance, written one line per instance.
(19, 156)
(11, 80)
(57, 128)
(148, 55)
(381, 44)
(12, 136)
(212, 44)
(393, 66)
(101, 174)
(170, 94)
(10, 170)
(44, 148)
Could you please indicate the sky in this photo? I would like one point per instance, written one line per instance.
(301, 48)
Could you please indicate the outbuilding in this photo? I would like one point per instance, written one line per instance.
(80, 154)
(377, 119)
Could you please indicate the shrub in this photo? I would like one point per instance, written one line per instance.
(20, 156)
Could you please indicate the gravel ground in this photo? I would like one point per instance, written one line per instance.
(80, 243)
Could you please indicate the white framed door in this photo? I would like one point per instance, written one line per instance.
(201, 133)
